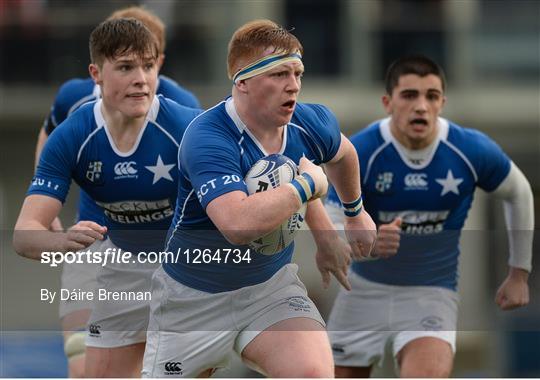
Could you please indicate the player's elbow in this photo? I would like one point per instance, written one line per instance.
(18, 242)
(23, 241)
(237, 236)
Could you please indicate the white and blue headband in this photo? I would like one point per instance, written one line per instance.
(264, 64)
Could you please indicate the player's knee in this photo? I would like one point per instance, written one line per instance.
(74, 345)
(74, 349)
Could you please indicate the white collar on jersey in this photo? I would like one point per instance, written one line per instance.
(97, 91)
(416, 159)
(100, 122)
(233, 114)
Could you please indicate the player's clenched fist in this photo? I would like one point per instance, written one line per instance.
(82, 235)
(514, 291)
(317, 175)
(388, 238)
(361, 233)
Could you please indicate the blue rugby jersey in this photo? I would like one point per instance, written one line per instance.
(216, 153)
(135, 190)
(76, 92)
(432, 197)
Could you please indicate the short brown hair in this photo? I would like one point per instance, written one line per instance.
(249, 42)
(414, 64)
(149, 19)
(113, 38)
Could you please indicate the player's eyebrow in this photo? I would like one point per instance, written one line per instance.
(411, 91)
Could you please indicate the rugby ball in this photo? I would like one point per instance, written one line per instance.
(268, 173)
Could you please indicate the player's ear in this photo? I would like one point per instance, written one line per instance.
(386, 100)
(95, 72)
(160, 61)
(241, 85)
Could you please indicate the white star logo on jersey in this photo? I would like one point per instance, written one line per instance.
(449, 184)
(161, 170)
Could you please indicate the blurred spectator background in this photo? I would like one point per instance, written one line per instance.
(490, 50)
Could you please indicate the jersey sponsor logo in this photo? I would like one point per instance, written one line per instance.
(416, 181)
(384, 182)
(417, 222)
(94, 172)
(134, 211)
(125, 169)
(173, 368)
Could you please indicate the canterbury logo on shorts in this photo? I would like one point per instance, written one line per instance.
(173, 368)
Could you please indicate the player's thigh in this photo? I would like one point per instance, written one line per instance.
(359, 325)
(75, 307)
(426, 357)
(123, 361)
(121, 309)
(189, 331)
(296, 347)
(186, 354)
(425, 343)
(75, 321)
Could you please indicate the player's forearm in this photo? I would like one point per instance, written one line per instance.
(344, 173)
(319, 222)
(30, 239)
(256, 215)
(516, 193)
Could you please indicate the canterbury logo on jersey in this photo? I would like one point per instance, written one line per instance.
(416, 181)
(125, 169)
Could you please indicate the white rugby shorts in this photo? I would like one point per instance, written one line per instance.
(121, 321)
(373, 317)
(191, 331)
(78, 276)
